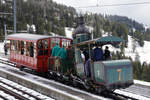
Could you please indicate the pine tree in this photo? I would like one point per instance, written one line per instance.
(133, 46)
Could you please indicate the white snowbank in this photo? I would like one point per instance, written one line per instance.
(132, 95)
(1, 47)
(13, 84)
(143, 52)
(69, 32)
(142, 83)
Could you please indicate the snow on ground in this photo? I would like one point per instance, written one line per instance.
(1, 47)
(142, 83)
(143, 52)
(132, 95)
(69, 32)
(53, 34)
(20, 87)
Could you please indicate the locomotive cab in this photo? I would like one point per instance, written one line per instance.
(104, 74)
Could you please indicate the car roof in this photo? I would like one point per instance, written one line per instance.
(27, 36)
(30, 37)
(102, 41)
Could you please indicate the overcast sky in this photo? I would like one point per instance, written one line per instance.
(140, 13)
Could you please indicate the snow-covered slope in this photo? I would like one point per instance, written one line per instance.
(143, 52)
(69, 32)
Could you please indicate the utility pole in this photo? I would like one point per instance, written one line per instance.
(5, 31)
(14, 16)
(97, 3)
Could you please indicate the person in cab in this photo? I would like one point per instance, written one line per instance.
(97, 54)
(85, 56)
(107, 53)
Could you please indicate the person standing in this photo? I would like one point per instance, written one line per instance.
(5, 48)
(97, 54)
(56, 57)
(55, 50)
(70, 58)
(88, 68)
(85, 55)
(107, 53)
(86, 63)
(62, 53)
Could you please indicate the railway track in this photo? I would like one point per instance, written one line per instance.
(117, 96)
(13, 91)
(112, 95)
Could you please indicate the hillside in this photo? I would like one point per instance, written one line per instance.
(48, 16)
(131, 24)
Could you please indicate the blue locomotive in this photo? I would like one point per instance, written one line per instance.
(104, 74)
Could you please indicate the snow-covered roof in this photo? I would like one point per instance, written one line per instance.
(27, 36)
(31, 37)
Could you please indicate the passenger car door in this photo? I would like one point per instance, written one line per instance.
(79, 63)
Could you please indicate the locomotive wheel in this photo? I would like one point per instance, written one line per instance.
(75, 84)
(86, 84)
(98, 90)
(21, 68)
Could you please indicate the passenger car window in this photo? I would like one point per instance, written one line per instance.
(46, 47)
(13, 45)
(54, 41)
(19, 47)
(64, 42)
(46, 44)
(31, 49)
(22, 47)
(40, 47)
(58, 41)
(27, 48)
(40, 44)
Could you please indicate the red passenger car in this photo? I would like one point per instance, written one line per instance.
(33, 51)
